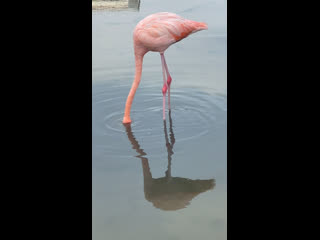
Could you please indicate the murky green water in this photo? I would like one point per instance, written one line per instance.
(155, 179)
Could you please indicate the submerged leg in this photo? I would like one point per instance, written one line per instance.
(164, 88)
(169, 79)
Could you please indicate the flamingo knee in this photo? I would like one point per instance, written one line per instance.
(164, 89)
(169, 79)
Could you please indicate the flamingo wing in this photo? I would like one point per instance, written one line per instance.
(160, 30)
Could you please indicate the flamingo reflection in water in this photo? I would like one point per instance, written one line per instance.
(168, 193)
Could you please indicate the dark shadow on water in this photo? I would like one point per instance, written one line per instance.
(167, 193)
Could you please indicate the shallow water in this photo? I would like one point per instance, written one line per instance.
(154, 179)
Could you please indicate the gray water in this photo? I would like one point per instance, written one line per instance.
(154, 179)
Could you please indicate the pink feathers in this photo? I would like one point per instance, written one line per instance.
(158, 31)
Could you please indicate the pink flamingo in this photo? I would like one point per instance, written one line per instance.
(156, 33)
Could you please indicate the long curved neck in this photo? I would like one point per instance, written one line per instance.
(134, 87)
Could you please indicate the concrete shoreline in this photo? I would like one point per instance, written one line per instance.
(111, 5)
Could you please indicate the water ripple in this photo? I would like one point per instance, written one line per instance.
(194, 114)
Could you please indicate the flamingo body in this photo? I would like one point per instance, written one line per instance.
(156, 33)
(160, 30)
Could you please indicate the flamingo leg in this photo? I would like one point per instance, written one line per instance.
(169, 79)
(164, 88)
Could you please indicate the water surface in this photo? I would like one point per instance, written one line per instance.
(154, 179)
